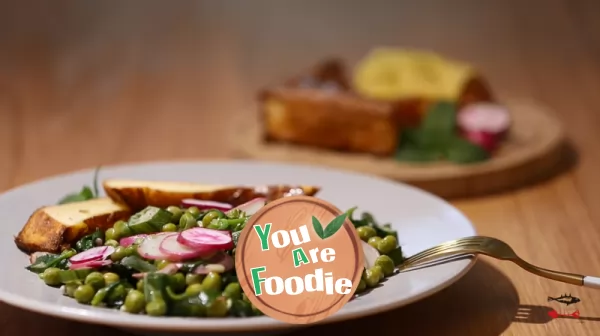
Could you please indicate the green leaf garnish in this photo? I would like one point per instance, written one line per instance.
(318, 227)
(464, 152)
(439, 127)
(334, 226)
(86, 192)
(51, 260)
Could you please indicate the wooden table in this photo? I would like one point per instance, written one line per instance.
(85, 83)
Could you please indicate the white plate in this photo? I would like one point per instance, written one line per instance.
(422, 220)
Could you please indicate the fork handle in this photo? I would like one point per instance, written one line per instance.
(592, 282)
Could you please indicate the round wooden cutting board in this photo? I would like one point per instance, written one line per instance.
(533, 151)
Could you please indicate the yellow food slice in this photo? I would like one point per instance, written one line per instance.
(392, 74)
(140, 194)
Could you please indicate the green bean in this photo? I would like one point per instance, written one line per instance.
(116, 294)
(366, 232)
(374, 241)
(84, 294)
(194, 289)
(371, 278)
(218, 307)
(122, 229)
(70, 289)
(170, 227)
(119, 253)
(110, 278)
(212, 281)
(233, 291)
(176, 212)
(192, 278)
(387, 244)
(134, 302)
(131, 250)
(194, 211)
(378, 271)
(156, 308)
(386, 263)
(110, 235)
(51, 276)
(187, 221)
(177, 282)
(111, 242)
(95, 279)
(362, 285)
(210, 216)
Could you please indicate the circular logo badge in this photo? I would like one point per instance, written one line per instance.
(299, 259)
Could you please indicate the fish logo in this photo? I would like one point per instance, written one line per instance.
(565, 299)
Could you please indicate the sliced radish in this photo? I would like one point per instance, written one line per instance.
(177, 251)
(251, 207)
(370, 254)
(484, 117)
(485, 140)
(91, 264)
(220, 263)
(150, 247)
(204, 205)
(127, 241)
(95, 253)
(203, 238)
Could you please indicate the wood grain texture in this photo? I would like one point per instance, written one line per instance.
(533, 150)
(87, 82)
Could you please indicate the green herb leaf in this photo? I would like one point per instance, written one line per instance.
(89, 241)
(318, 227)
(463, 151)
(85, 194)
(51, 260)
(439, 127)
(334, 226)
(138, 264)
(417, 155)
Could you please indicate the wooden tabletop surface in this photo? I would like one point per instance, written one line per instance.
(84, 83)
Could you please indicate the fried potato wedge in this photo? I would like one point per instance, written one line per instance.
(54, 228)
(140, 194)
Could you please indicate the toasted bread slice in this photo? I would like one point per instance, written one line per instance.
(54, 228)
(335, 120)
(140, 194)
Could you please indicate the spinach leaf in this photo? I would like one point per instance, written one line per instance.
(89, 241)
(439, 127)
(51, 260)
(85, 194)
(463, 151)
(366, 219)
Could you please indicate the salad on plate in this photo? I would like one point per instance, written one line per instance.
(168, 248)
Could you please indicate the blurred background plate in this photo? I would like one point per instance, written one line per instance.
(534, 150)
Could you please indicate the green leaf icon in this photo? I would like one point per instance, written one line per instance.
(335, 225)
(317, 226)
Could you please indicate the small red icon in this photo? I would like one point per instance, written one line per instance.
(554, 314)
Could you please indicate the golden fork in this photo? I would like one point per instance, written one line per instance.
(494, 248)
